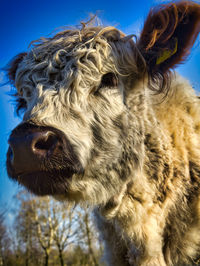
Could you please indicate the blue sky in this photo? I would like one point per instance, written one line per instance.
(24, 21)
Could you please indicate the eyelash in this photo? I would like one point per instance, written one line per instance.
(22, 95)
(109, 80)
(25, 92)
(21, 104)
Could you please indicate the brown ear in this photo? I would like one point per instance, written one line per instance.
(168, 35)
(13, 65)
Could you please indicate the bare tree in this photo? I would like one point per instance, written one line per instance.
(88, 236)
(63, 233)
(45, 228)
(65, 222)
(26, 239)
(4, 239)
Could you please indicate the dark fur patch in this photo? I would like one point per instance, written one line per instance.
(13, 65)
(94, 153)
(118, 122)
(96, 117)
(97, 134)
(74, 114)
(195, 180)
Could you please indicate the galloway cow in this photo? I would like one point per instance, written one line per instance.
(108, 123)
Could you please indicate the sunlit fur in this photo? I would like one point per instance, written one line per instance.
(140, 151)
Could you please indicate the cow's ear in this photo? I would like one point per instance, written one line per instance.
(13, 65)
(169, 32)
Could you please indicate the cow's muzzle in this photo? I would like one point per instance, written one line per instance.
(41, 158)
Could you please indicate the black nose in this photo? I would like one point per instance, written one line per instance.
(28, 149)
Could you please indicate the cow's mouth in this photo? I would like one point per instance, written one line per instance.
(45, 182)
(41, 159)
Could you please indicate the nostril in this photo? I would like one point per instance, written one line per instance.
(45, 142)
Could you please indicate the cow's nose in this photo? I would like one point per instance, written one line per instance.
(26, 152)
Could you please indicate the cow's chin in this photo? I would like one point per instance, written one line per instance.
(43, 183)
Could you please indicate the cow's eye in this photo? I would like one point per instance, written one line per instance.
(21, 104)
(109, 80)
(25, 92)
